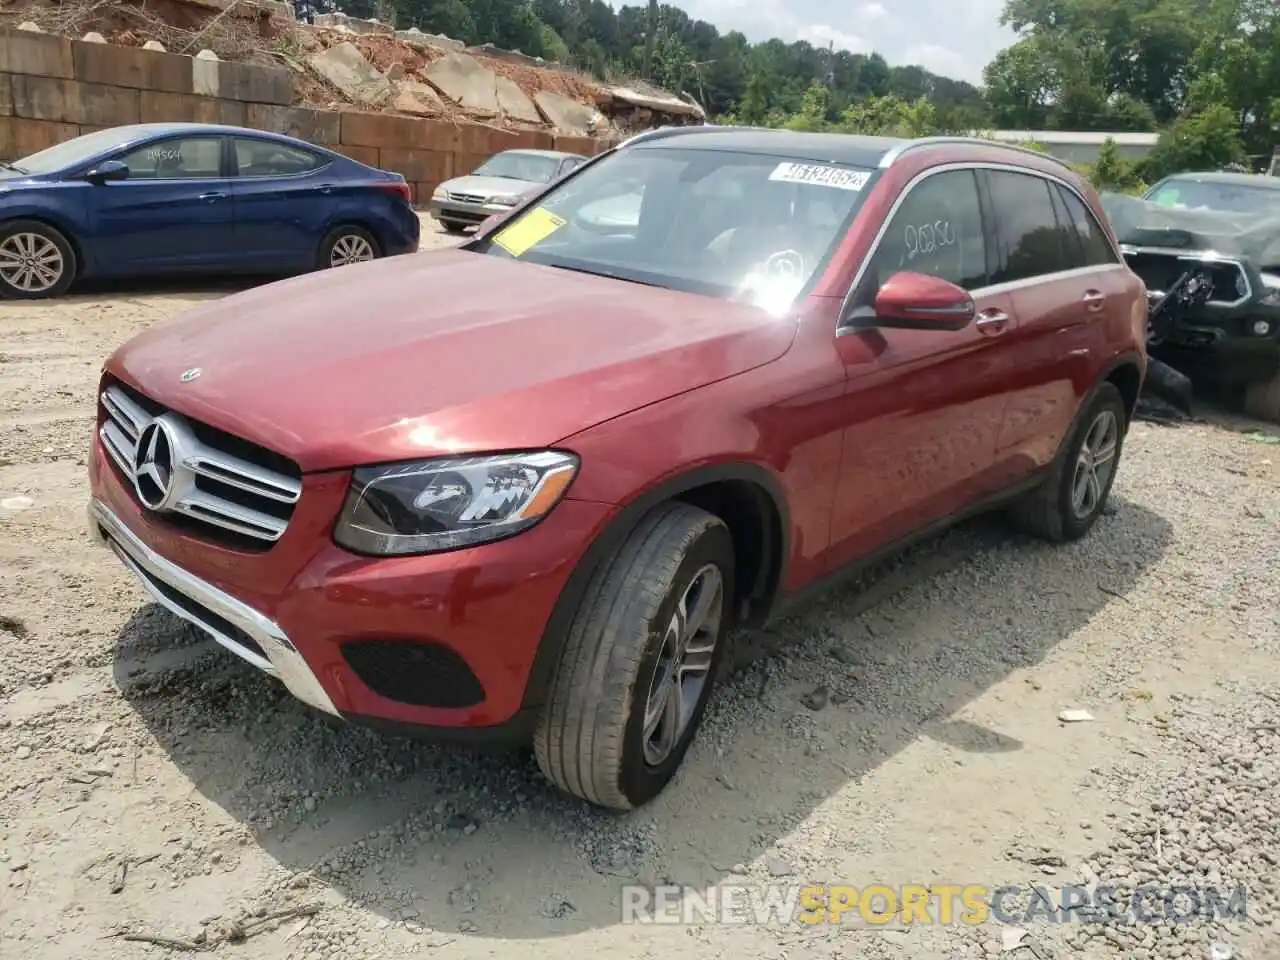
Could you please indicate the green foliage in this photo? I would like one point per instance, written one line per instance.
(1206, 140)
(752, 83)
(1206, 74)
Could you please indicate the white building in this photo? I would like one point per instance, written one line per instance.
(1079, 147)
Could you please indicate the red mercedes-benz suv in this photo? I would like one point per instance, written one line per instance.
(524, 488)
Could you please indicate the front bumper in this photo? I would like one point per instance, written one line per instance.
(459, 212)
(217, 613)
(315, 616)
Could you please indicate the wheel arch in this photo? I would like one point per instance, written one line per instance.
(750, 500)
(55, 222)
(342, 220)
(1126, 374)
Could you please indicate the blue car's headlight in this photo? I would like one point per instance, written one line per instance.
(426, 506)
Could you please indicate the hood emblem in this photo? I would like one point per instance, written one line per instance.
(189, 375)
(153, 464)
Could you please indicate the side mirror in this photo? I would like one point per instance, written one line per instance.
(918, 301)
(107, 171)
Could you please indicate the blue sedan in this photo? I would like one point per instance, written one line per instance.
(160, 198)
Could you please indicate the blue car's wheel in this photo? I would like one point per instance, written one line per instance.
(36, 261)
(346, 245)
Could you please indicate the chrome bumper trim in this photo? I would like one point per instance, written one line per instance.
(283, 661)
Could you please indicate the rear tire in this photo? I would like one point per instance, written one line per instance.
(1069, 502)
(36, 261)
(608, 735)
(1262, 400)
(347, 244)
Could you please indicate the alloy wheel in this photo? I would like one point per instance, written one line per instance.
(350, 248)
(684, 664)
(1095, 464)
(30, 262)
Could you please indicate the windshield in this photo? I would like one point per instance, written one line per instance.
(520, 166)
(732, 225)
(1222, 197)
(72, 152)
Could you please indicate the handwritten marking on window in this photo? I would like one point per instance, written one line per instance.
(926, 238)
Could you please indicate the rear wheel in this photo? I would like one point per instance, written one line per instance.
(1069, 502)
(346, 245)
(640, 661)
(36, 261)
(1262, 400)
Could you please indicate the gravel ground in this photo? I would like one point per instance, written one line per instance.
(904, 731)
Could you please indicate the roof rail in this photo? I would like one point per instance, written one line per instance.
(659, 133)
(897, 152)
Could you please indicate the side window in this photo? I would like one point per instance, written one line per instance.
(936, 230)
(1094, 244)
(187, 158)
(573, 163)
(1030, 242)
(263, 158)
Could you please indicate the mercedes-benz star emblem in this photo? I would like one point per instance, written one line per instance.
(153, 464)
(189, 375)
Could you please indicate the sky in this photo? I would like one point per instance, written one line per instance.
(953, 38)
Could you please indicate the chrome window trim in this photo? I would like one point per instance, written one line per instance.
(974, 165)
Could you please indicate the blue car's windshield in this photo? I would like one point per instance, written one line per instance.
(76, 151)
(742, 226)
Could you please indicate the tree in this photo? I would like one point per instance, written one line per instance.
(1207, 140)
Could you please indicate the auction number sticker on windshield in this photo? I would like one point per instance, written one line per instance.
(530, 230)
(820, 174)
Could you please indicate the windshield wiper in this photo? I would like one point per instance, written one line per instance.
(604, 273)
(6, 165)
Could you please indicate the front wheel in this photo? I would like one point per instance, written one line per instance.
(346, 245)
(1069, 502)
(640, 661)
(454, 226)
(36, 261)
(1262, 400)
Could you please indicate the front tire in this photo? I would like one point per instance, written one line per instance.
(1067, 505)
(640, 661)
(1262, 400)
(454, 226)
(36, 261)
(345, 245)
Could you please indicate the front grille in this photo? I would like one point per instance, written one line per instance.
(1161, 271)
(218, 486)
(468, 197)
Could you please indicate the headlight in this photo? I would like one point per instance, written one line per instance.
(440, 193)
(429, 505)
(504, 201)
(1272, 282)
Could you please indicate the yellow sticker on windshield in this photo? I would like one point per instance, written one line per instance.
(531, 229)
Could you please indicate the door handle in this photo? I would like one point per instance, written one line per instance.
(326, 187)
(991, 321)
(1094, 300)
(213, 196)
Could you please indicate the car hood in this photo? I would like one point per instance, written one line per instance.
(490, 186)
(439, 353)
(1253, 235)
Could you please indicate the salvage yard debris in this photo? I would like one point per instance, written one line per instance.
(236, 931)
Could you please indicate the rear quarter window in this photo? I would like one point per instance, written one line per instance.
(1030, 240)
